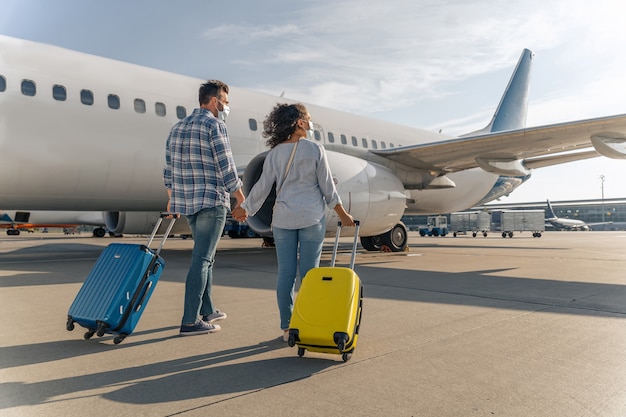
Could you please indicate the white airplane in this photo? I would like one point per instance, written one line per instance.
(560, 223)
(81, 132)
(16, 220)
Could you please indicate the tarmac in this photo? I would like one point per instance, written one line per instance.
(460, 326)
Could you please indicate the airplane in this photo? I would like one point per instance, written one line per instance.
(14, 221)
(95, 130)
(560, 223)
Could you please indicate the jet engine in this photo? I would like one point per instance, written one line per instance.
(369, 192)
(139, 222)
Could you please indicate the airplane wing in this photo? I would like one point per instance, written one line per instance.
(535, 147)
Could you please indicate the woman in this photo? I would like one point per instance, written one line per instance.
(299, 223)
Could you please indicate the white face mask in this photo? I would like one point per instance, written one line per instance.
(223, 114)
(310, 131)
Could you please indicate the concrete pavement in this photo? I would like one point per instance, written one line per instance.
(454, 327)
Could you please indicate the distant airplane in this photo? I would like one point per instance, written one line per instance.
(560, 223)
(14, 221)
(98, 143)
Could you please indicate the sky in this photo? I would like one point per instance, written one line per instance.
(431, 64)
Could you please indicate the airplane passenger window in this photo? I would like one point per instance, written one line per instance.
(253, 124)
(355, 142)
(331, 137)
(318, 135)
(86, 97)
(181, 112)
(374, 144)
(29, 88)
(383, 145)
(59, 93)
(391, 145)
(364, 141)
(344, 140)
(160, 109)
(114, 101)
(3, 83)
(140, 105)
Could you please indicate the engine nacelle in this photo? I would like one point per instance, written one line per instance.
(140, 223)
(370, 192)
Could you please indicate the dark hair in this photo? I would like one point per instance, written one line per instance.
(281, 122)
(212, 88)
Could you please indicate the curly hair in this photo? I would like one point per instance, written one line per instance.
(281, 122)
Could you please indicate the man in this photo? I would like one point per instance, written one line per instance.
(200, 175)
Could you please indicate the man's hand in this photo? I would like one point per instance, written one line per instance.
(239, 214)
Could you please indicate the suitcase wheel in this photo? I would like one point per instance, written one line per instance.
(70, 325)
(101, 329)
(293, 337)
(346, 356)
(301, 352)
(89, 334)
(118, 339)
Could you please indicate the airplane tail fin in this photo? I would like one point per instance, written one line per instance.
(551, 214)
(511, 112)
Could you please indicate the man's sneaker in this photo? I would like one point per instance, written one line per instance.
(218, 315)
(199, 328)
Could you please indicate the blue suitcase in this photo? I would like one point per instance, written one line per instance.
(116, 291)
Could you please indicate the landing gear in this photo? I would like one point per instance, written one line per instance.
(371, 243)
(99, 232)
(13, 232)
(395, 239)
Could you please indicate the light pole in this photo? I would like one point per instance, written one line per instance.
(602, 187)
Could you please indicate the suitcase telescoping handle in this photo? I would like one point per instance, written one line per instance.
(356, 236)
(163, 215)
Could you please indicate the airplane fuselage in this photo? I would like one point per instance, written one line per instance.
(90, 134)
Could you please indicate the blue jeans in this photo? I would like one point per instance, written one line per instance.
(206, 227)
(308, 241)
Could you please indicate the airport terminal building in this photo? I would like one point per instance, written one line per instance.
(610, 211)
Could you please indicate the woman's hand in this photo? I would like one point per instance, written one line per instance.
(239, 214)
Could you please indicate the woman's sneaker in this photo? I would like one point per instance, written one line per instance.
(218, 315)
(199, 328)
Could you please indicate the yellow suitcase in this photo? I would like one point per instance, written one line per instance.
(327, 310)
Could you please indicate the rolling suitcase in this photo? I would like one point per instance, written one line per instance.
(116, 291)
(327, 310)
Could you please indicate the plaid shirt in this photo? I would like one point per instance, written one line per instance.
(199, 166)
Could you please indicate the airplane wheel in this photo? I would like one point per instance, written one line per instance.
(99, 232)
(474, 234)
(371, 243)
(396, 239)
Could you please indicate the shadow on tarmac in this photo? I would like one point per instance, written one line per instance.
(176, 380)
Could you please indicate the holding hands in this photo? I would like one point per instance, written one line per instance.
(239, 214)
